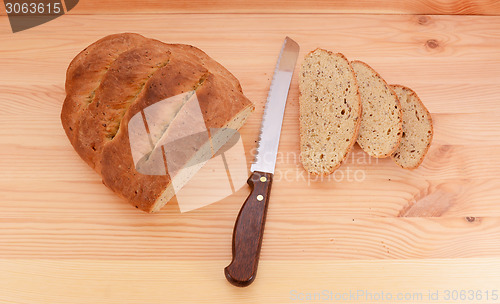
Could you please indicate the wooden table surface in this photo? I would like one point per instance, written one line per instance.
(66, 238)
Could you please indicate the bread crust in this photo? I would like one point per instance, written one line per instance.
(125, 74)
(412, 92)
(396, 144)
(85, 72)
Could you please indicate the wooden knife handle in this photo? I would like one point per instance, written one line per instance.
(248, 231)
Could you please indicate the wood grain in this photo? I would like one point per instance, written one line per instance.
(130, 281)
(442, 7)
(321, 236)
(370, 224)
(449, 7)
(54, 282)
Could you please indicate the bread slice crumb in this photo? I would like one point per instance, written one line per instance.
(330, 111)
(417, 129)
(381, 123)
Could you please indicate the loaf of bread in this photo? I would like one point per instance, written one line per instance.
(417, 129)
(381, 123)
(330, 111)
(125, 79)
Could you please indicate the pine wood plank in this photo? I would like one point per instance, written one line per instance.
(201, 236)
(446, 7)
(131, 281)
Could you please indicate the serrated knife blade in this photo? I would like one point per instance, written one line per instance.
(265, 160)
(249, 227)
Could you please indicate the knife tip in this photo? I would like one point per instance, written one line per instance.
(292, 43)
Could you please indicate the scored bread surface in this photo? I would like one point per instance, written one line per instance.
(381, 123)
(417, 129)
(330, 111)
(119, 76)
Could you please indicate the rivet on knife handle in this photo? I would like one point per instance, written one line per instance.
(248, 231)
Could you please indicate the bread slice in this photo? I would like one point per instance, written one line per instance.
(417, 129)
(330, 111)
(381, 123)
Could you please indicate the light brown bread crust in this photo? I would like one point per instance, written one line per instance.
(381, 124)
(330, 111)
(119, 76)
(119, 88)
(412, 106)
(120, 173)
(85, 73)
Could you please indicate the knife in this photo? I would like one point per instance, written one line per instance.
(249, 226)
